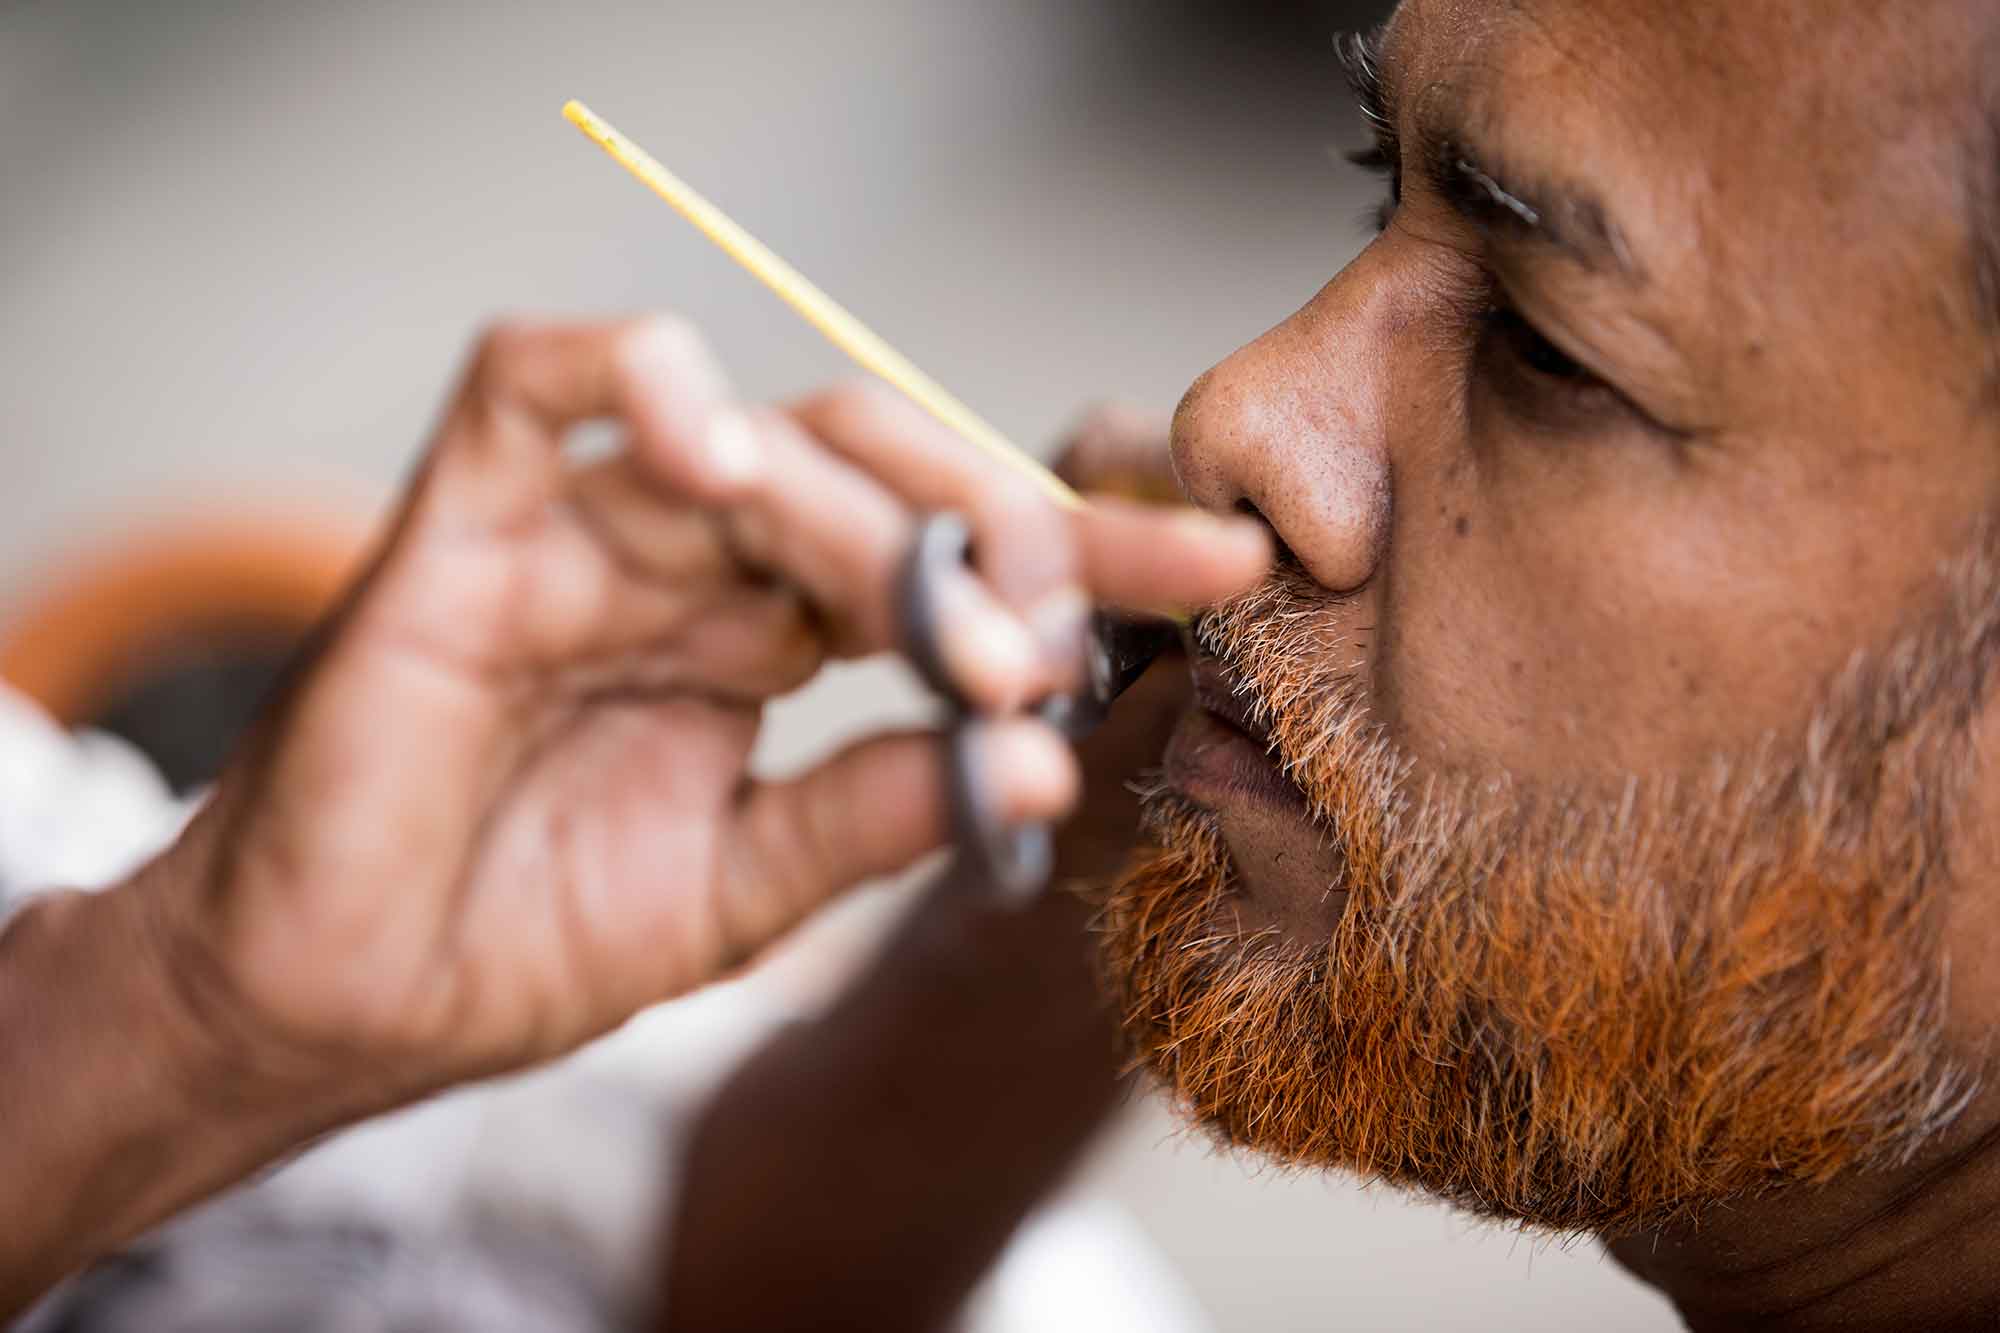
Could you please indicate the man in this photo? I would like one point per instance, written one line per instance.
(1587, 825)
(1584, 823)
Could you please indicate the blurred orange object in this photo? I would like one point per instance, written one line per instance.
(93, 624)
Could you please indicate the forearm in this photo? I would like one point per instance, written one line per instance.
(864, 1171)
(116, 1108)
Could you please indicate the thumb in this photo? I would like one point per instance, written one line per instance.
(871, 809)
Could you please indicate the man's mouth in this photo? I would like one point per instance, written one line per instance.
(1288, 874)
(1220, 754)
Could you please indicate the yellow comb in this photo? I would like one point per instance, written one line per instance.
(818, 309)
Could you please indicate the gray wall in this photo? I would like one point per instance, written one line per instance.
(242, 248)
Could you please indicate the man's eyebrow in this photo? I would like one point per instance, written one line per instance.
(1497, 202)
(1515, 207)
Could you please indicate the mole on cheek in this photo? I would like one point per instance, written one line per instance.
(1463, 526)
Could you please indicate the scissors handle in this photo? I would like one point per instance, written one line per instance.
(1012, 862)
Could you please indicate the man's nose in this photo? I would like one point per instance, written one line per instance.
(1293, 427)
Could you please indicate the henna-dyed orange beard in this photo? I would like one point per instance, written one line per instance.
(1578, 1013)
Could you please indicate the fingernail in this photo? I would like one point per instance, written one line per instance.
(998, 648)
(1060, 623)
(730, 447)
(1245, 537)
(987, 650)
(1207, 527)
(1030, 771)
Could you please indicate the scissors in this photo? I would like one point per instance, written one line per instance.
(1011, 863)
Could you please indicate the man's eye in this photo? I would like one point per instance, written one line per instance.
(1536, 382)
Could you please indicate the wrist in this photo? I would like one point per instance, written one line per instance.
(232, 1055)
(122, 1107)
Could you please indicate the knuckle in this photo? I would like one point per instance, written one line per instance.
(1111, 442)
(1102, 421)
(823, 831)
(498, 353)
(879, 627)
(1015, 523)
(859, 602)
(780, 444)
(873, 617)
(881, 573)
(866, 393)
(885, 542)
(799, 655)
(797, 851)
(1010, 503)
(751, 539)
(657, 343)
(858, 404)
(1080, 461)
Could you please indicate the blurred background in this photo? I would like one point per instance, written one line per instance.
(243, 249)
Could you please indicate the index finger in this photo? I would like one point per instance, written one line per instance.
(1020, 533)
(528, 384)
(1168, 558)
(1146, 557)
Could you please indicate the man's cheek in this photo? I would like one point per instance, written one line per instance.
(1468, 669)
(1565, 651)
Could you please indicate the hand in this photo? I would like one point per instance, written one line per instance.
(506, 803)
(1121, 451)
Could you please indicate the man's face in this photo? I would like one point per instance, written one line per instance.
(1624, 676)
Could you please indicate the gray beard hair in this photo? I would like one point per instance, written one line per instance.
(1578, 1011)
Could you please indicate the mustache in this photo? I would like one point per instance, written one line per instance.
(1294, 657)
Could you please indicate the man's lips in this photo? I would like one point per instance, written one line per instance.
(1289, 876)
(1216, 691)
(1218, 754)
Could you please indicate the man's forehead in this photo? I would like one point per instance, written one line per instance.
(1717, 129)
(1700, 63)
(1714, 42)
